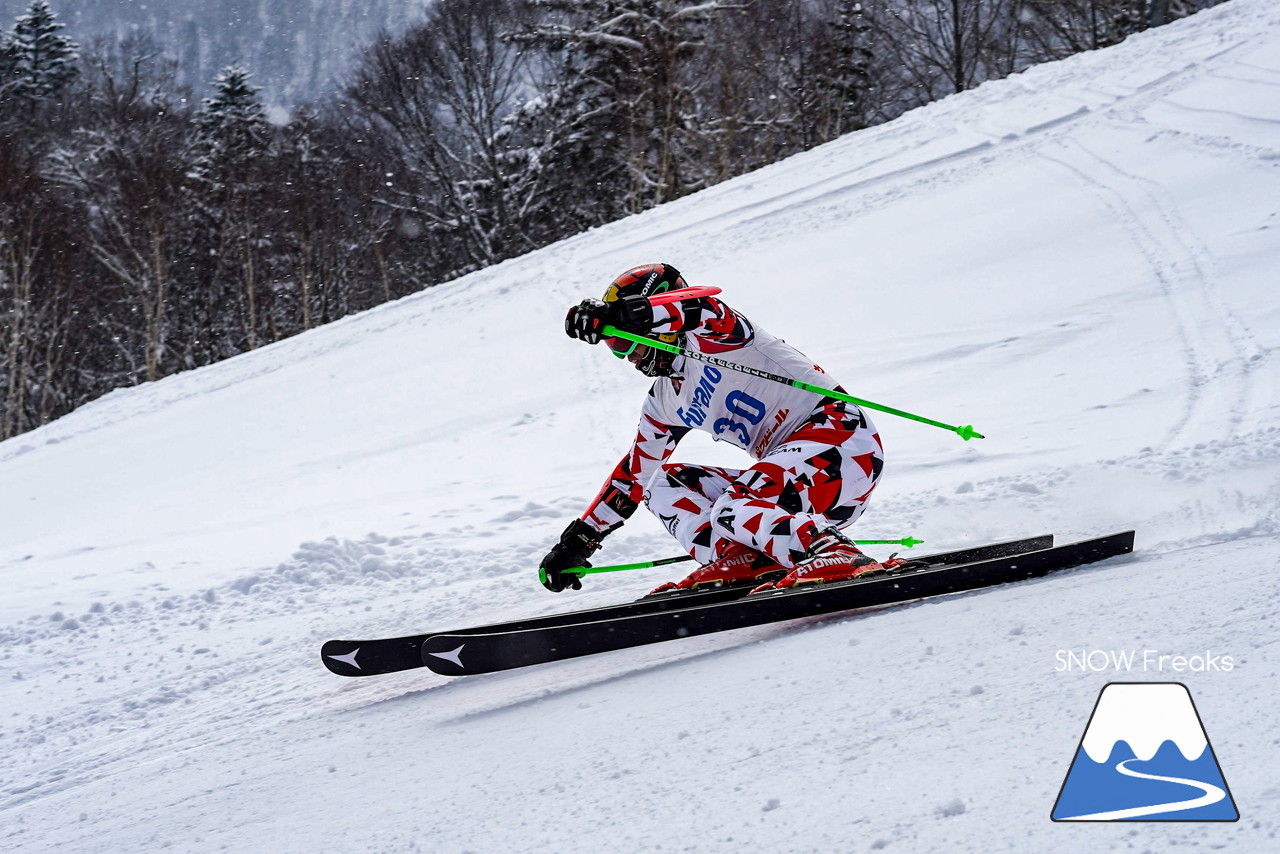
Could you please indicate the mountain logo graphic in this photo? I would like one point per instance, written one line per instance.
(1145, 757)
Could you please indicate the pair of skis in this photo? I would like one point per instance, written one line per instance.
(538, 640)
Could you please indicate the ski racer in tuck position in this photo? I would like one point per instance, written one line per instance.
(775, 524)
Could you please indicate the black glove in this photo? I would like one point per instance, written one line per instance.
(578, 542)
(587, 319)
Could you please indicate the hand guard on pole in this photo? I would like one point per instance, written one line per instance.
(578, 542)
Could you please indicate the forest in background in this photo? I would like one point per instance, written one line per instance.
(145, 232)
(298, 50)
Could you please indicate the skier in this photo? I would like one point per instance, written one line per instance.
(776, 522)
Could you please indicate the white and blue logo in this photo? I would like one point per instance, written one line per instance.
(1145, 757)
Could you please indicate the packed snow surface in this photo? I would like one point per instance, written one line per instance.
(1081, 261)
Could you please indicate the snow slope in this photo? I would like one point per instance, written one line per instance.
(1079, 260)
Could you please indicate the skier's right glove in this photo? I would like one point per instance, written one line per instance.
(587, 320)
(578, 542)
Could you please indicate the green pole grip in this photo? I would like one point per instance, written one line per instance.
(909, 542)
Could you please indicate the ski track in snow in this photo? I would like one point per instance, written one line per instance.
(1217, 355)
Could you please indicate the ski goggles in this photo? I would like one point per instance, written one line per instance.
(621, 347)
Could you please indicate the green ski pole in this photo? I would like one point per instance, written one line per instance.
(580, 571)
(966, 432)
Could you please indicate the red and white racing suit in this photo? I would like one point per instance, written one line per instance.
(818, 458)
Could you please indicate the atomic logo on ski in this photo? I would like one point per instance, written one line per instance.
(349, 658)
(454, 655)
(1145, 756)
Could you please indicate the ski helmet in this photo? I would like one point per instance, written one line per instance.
(646, 280)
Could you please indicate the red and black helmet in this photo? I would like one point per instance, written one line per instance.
(645, 281)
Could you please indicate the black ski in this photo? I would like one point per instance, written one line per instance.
(467, 653)
(389, 655)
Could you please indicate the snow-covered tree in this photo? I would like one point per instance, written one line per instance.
(230, 172)
(948, 46)
(232, 124)
(572, 176)
(625, 95)
(20, 242)
(127, 170)
(40, 61)
(844, 61)
(8, 64)
(435, 100)
(319, 238)
(817, 59)
(1062, 27)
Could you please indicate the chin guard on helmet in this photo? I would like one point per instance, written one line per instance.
(658, 363)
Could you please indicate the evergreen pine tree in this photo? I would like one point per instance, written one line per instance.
(8, 64)
(620, 115)
(230, 171)
(848, 61)
(40, 61)
(566, 139)
(232, 124)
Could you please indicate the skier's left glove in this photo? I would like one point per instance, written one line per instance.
(587, 320)
(578, 542)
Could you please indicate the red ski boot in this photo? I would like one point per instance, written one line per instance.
(735, 564)
(831, 557)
